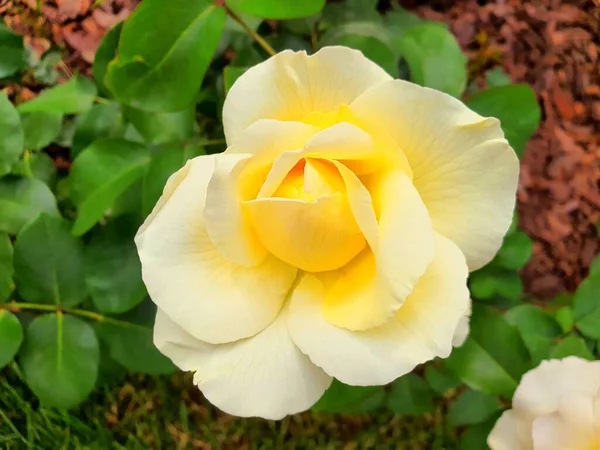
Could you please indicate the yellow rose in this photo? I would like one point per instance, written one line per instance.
(332, 238)
(555, 407)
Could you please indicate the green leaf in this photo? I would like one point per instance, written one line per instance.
(14, 57)
(472, 407)
(48, 263)
(23, 199)
(434, 58)
(39, 165)
(490, 282)
(113, 271)
(11, 135)
(515, 251)
(538, 328)
(158, 128)
(231, 74)
(40, 128)
(343, 399)
(6, 267)
(572, 345)
(494, 357)
(497, 77)
(164, 163)
(11, 336)
(370, 38)
(165, 49)
(336, 13)
(586, 307)
(60, 358)
(277, 9)
(475, 437)
(74, 96)
(595, 265)
(103, 120)
(502, 102)
(100, 174)
(106, 52)
(440, 379)
(410, 396)
(130, 343)
(564, 316)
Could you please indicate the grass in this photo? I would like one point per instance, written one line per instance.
(140, 412)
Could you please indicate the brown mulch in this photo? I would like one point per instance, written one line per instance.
(552, 45)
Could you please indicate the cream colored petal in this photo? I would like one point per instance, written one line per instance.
(463, 168)
(544, 388)
(265, 375)
(422, 329)
(504, 435)
(571, 427)
(226, 222)
(291, 85)
(212, 298)
(462, 330)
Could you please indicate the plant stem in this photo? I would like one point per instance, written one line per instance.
(18, 306)
(26, 165)
(257, 37)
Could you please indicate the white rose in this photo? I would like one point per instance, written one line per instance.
(555, 407)
(333, 238)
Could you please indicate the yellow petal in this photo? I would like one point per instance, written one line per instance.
(462, 166)
(291, 85)
(265, 375)
(211, 297)
(421, 330)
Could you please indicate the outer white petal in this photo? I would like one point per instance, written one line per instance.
(423, 327)
(211, 297)
(543, 389)
(265, 375)
(291, 85)
(462, 330)
(504, 435)
(464, 169)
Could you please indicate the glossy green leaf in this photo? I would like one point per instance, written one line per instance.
(100, 174)
(40, 128)
(434, 58)
(74, 96)
(399, 20)
(130, 203)
(165, 49)
(497, 77)
(586, 307)
(572, 345)
(158, 128)
(48, 263)
(113, 272)
(538, 328)
(564, 316)
(6, 267)
(103, 120)
(370, 38)
(23, 199)
(13, 58)
(231, 74)
(440, 379)
(11, 336)
(335, 13)
(168, 160)
(11, 135)
(277, 9)
(494, 356)
(502, 102)
(39, 165)
(343, 399)
(410, 395)
(515, 251)
(490, 282)
(130, 341)
(472, 407)
(59, 357)
(475, 437)
(105, 53)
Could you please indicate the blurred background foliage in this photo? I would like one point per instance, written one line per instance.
(83, 159)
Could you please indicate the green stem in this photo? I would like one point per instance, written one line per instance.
(26, 165)
(257, 37)
(18, 306)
